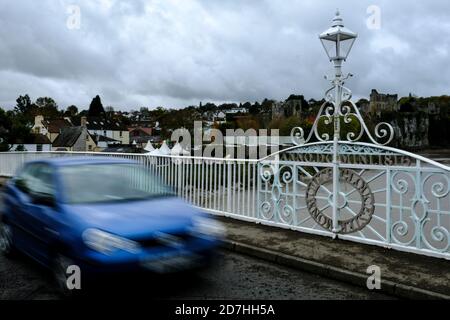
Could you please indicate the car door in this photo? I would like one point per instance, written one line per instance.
(38, 212)
(17, 199)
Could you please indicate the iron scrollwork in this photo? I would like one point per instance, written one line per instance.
(348, 110)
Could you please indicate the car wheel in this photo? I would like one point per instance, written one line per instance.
(6, 239)
(60, 266)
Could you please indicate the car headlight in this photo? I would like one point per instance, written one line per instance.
(107, 243)
(208, 227)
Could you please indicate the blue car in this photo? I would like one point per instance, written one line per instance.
(104, 215)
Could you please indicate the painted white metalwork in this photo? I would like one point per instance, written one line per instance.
(411, 200)
(411, 193)
(335, 186)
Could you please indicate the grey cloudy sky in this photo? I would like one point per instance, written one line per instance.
(179, 52)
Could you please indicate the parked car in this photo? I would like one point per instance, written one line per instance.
(104, 215)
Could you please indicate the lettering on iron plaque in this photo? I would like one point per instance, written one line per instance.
(348, 176)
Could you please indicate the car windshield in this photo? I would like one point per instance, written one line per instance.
(96, 183)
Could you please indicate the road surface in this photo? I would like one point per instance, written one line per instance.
(235, 277)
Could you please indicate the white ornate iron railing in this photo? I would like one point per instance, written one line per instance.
(336, 187)
(225, 186)
(387, 197)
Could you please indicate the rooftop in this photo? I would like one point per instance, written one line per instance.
(67, 137)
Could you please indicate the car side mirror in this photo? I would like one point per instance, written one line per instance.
(44, 199)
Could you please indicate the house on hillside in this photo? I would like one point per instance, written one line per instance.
(105, 142)
(74, 139)
(109, 128)
(35, 142)
(139, 136)
(50, 127)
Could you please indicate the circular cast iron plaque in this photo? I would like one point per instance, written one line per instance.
(354, 224)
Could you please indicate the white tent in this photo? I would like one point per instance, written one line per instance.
(155, 152)
(164, 150)
(149, 147)
(178, 150)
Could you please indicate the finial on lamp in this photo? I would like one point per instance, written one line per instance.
(337, 20)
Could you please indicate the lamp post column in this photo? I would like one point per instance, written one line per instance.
(337, 128)
(337, 42)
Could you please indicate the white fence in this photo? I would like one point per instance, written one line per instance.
(226, 186)
(387, 197)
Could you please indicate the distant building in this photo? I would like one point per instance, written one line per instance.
(50, 127)
(113, 129)
(292, 107)
(212, 117)
(140, 132)
(382, 102)
(236, 110)
(139, 136)
(35, 142)
(104, 142)
(74, 139)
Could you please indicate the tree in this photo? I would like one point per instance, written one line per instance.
(226, 125)
(71, 111)
(5, 127)
(266, 105)
(47, 107)
(96, 108)
(13, 126)
(288, 124)
(24, 105)
(254, 109)
(144, 111)
(247, 105)
(246, 123)
(22, 116)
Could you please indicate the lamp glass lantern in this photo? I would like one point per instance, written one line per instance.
(338, 40)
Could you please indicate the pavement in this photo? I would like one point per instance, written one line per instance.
(404, 275)
(234, 276)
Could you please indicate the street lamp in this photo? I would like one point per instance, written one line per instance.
(337, 42)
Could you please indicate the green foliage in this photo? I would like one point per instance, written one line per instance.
(5, 127)
(96, 108)
(288, 124)
(23, 105)
(285, 125)
(47, 107)
(223, 127)
(71, 111)
(16, 125)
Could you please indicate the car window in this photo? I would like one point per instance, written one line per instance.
(37, 179)
(97, 183)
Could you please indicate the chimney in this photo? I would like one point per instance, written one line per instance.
(83, 121)
(38, 120)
